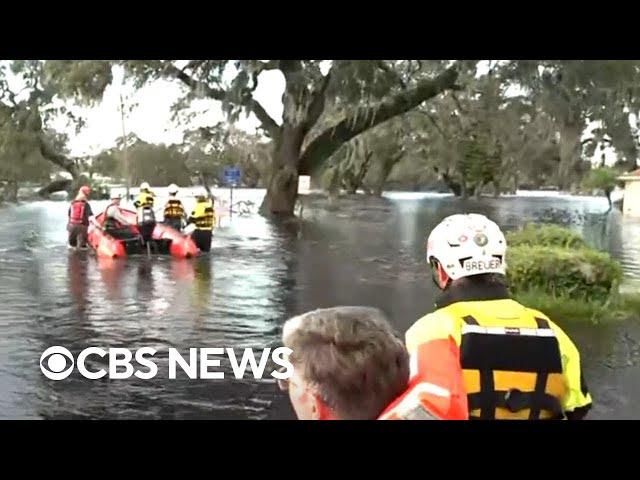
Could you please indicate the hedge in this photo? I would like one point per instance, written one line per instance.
(545, 235)
(579, 273)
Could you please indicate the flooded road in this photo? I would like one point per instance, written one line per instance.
(366, 251)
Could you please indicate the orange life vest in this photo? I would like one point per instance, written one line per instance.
(76, 213)
(436, 387)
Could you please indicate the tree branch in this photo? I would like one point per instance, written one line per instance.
(57, 158)
(173, 71)
(268, 123)
(317, 103)
(385, 68)
(325, 144)
(433, 121)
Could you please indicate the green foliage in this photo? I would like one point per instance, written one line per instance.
(84, 80)
(545, 235)
(574, 273)
(565, 308)
(602, 178)
(156, 164)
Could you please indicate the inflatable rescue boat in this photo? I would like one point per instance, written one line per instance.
(165, 240)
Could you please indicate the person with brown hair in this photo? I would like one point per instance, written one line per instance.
(348, 364)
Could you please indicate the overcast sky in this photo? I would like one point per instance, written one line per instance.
(151, 118)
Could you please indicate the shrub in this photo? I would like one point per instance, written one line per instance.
(545, 235)
(580, 273)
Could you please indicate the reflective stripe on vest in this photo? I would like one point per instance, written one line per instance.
(173, 209)
(76, 215)
(512, 372)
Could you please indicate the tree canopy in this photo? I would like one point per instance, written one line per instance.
(473, 126)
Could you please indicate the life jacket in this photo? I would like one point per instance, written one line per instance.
(173, 209)
(436, 389)
(203, 216)
(511, 361)
(145, 199)
(76, 215)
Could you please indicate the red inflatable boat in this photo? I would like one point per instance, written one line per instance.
(165, 240)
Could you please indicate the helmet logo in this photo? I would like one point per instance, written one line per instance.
(480, 239)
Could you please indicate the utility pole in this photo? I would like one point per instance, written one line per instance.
(124, 139)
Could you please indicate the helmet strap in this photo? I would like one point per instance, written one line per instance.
(439, 276)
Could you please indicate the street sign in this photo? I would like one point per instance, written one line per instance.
(232, 175)
(304, 184)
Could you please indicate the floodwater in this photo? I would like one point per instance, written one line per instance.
(366, 251)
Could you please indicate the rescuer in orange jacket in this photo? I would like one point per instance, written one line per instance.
(79, 213)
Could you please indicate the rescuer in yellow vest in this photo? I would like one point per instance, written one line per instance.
(145, 197)
(174, 210)
(203, 218)
(516, 363)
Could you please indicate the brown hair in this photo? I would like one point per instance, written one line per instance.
(352, 356)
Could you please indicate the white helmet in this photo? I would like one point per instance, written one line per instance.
(144, 186)
(173, 188)
(467, 245)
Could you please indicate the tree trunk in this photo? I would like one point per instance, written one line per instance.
(282, 191)
(10, 192)
(570, 153)
(49, 153)
(205, 184)
(477, 190)
(455, 187)
(352, 188)
(464, 190)
(496, 189)
(56, 186)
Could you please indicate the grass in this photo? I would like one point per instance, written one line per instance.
(561, 308)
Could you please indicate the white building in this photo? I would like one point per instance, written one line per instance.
(631, 202)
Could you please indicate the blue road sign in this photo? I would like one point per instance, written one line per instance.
(232, 175)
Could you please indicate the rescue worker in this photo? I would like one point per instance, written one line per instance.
(516, 363)
(146, 216)
(146, 197)
(348, 364)
(115, 223)
(174, 213)
(203, 217)
(79, 214)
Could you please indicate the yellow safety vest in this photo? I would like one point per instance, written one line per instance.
(145, 199)
(516, 363)
(203, 216)
(173, 209)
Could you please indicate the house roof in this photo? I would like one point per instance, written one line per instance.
(631, 176)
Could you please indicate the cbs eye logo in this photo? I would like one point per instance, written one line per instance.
(54, 361)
